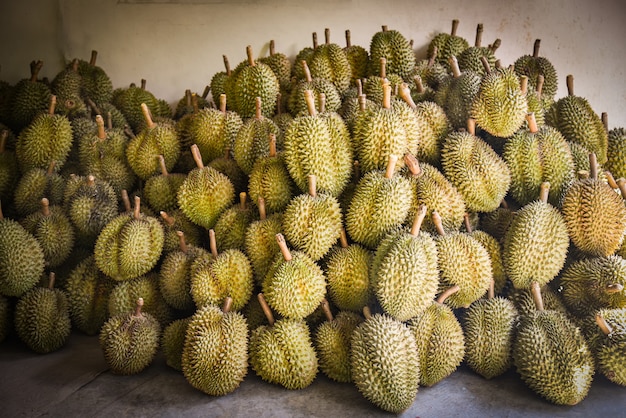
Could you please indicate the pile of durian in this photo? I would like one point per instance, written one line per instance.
(356, 212)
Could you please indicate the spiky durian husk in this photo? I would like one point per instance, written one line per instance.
(34, 185)
(494, 249)
(523, 300)
(252, 142)
(435, 127)
(129, 342)
(532, 67)
(447, 45)
(373, 86)
(143, 150)
(396, 49)
(229, 167)
(261, 246)
(608, 350)
(470, 59)
(252, 82)
(489, 329)
(129, 100)
(480, 175)
(217, 86)
(595, 216)
(193, 233)
(160, 191)
(213, 131)
(124, 297)
(431, 73)
(270, 179)
(21, 259)
(88, 291)
(589, 285)
(332, 344)
(9, 175)
(46, 139)
(296, 103)
(54, 232)
(215, 352)
(384, 362)
(616, 152)
(173, 341)
(552, 357)
(347, 273)
(456, 95)
(95, 83)
(175, 277)
(329, 61)
(281, 66)
(28, 99)
(359, 59)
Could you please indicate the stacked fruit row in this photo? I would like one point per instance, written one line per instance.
(395, 217)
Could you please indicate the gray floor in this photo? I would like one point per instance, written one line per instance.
(74, 381)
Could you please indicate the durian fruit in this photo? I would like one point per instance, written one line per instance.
(282, 352)
(573, 116)
(205, 193)
(384, 362)
(173, 342)
(354, 103)
(52, 228)
(525, 304)
(280, 65)
(332, 343)
(433, 190)
(254, 79)
(462, 261)
(153, 140)
(358, 58)
(214, 130)
(9, 170)
(130, 341)
(456, 94)
(130, 245)
(113, 117)
(348, 275)
(95, 83)
(6, 317)
(373, 85)
(537, 155)
(88, 291)
(595, 215)
(217, 276)
(381, 132)
(251, 141)
(233, 223)
(396, 49)
(175, 221)
(430, 71)
(36, 184)
(29, 97)
(489, 329)
(124, 295)
(609, 344)
(42, 318)
(480, 175)
(330, 61)
(270, 180)
(439, 338)
(536, 243)
(229, 167)
(590, 284)
(533, 66)
(129, 100)
(616, 152)
(297, 71)
(447, 45)
(319, 144)
(218, 82)
(261, 246)
(160, 190)
(537, 103)
(22, 259)
(47, 138)
(380, 203)
(470, 58)
(404, 275)
(294, 285)
(175, 274)
(282, 118)
(297, 104)
(215, 351)
(552, 356)
(312, 222)
(500, 106)
(66, 86)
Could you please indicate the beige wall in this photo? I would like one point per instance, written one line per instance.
(178, 44)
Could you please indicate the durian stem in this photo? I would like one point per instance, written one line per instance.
(312, 185)
(310, 102)
(109, 121)
(367, 312)
(532, 122)
(605, 121)
(147, 116)
(540, 80)
(362, 102)
(419, 85)
(593, 166)
(582, 174)
(138, 307)
(467, 223)
(348, 41)
(471, 126)
(391, 166)
(314, 36)
(343, 238)
(91, 181)
(197, 157)
(3, 140)
(228, 304)
(504, 204)
(536, 48)
(307, 71)
(53, 104)
(383, 67)
(604, 326)
(226, 65)
(386, 95)
(51, 280)
(544, 191)
(93, 106)
(447, 293)
(167, 218)
(610, 180)
(162, 166)
(523, 83)
(213, 243)
(272, 48)
(35, 68)
(536, 292)
(257, 113)
(479, 35)
(419, 220)
(280, 238)
(223, 103)
(498, 64)
(454, 66)
(385, 28)
(266, 309)
(455, 26)
(181, 241)
(243, 204)
(126, 201)
(438, 223)
(51, 167)
(261, 204)
(613, 288)
(405, 94)
(413, 165)
(137, 210)
(250, 56)
(570, 84)
(621, 183)
(327, 36)
(496, 44)
(143, 83)
(491, 292)
(486, 65)
(322, 100)
(188, 98)
(326, 308)
(129, 133)
(272, 145)
(94, 57)
(45, 207)
(433, 57)
(206, 91)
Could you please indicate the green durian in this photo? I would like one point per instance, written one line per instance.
(173, 342)
(297, 71)
(66, 86)
(219, 80)
(29, 97)
(260, 241)
(494, 248)
(175, 221)
(373, 85)
(229, 167)
(129, 100)
(616, 152)
(609, 344)
(124, 296)
(471, 57)
(430, 70)
(297, 103)
(447, 45)
(533, 66)
(358, 59)
(330, 61)
(95, 83)
(280, 65)
(525, 304)
(187, 105)
(9, 169)
(456, 94)
(396, 49)
(232, 225)
(36, 184)
(161, 190)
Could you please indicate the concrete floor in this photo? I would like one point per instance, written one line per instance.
(74, 381)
